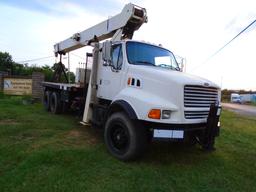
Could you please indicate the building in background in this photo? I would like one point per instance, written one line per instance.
(248, 98)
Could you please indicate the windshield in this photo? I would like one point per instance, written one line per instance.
(145, 54)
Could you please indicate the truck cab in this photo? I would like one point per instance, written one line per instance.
(148, 77)
(144, 84)
(235, 98)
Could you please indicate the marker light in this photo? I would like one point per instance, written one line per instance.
(129, 81)
(154, 114)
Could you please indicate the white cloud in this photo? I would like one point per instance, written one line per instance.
(33, 33)
(192, 29)
(196, 29)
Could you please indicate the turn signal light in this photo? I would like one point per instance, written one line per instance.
(129, 81)
(154, 114)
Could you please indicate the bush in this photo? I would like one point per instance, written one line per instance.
(1, 94)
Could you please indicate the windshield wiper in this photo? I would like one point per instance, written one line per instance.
(164, 65)
(145, 63)
(168, 66)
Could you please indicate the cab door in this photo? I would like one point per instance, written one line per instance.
(111, 76)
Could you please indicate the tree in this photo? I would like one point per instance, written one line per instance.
(6, 62)
(71, 76)
(8, 65)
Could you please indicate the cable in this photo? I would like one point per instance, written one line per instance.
(41, 58)
(78, 56)
(36, 59)
(225, 45)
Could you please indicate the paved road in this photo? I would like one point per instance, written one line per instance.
(241, 109)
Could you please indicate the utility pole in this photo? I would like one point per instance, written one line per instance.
(68, 69)
(221, 79)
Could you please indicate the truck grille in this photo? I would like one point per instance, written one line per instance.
(196, 96)
(196, 114)
(199, 96)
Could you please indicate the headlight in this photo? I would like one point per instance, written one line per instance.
(166, 114)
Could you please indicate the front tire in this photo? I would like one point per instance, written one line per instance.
(125, 139)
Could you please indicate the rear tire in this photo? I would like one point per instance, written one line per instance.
(125, 139)
(46, 100)
(55, 103)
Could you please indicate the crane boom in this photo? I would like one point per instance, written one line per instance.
(121, 26)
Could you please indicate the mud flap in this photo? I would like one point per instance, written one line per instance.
(212, 127)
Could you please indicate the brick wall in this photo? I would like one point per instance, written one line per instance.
(37, 89)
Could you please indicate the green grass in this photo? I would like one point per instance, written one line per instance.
(44, 152)
(254, 103)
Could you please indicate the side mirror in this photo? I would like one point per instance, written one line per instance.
(181, 63)
(106, 53)
(181, 66)
(184, 65)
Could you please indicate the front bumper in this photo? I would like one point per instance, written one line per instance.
(173, 131)
(166, 126)
(207, 130)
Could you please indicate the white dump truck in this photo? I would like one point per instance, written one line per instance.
(135, 91)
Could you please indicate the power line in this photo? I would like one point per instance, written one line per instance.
(225, 44)
(41, 58)
(36, 59)
(78, 56)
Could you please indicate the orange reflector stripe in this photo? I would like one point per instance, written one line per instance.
(154, 114)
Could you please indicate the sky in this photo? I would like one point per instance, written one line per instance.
(194, 30)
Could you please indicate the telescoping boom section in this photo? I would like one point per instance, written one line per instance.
(121, 26)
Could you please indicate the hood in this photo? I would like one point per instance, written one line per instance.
(177, 77)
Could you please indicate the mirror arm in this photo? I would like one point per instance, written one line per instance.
(107, 63)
